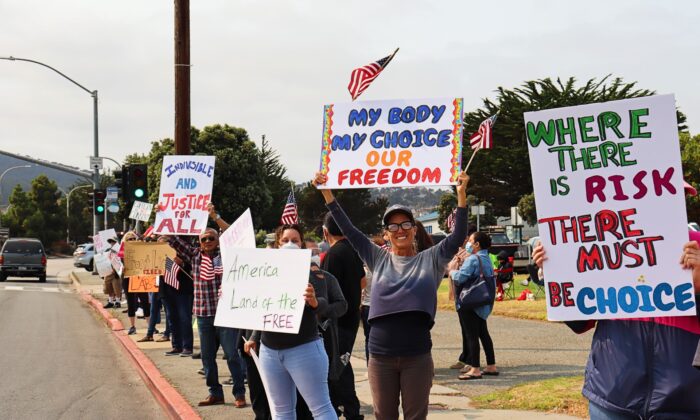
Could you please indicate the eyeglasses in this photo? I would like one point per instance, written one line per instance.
(394, 227)
(204, 239)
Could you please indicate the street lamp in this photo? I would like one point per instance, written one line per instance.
(93, 93)
(3, 174)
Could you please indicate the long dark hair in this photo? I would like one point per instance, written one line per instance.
(423, 240)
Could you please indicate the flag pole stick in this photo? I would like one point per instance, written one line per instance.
(471, 158)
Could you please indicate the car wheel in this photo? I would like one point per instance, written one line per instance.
(42, 279)
(3, 277)
(89, 266)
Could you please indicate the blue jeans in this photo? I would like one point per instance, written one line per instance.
(154, 319)
(180, 315)
(304, 366)
(210, 338)
(596, 412)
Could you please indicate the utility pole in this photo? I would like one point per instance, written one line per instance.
(182, 77)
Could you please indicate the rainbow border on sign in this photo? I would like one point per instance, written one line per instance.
(326, 142)
(457, 139)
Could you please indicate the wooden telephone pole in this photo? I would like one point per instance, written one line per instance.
(182, 77)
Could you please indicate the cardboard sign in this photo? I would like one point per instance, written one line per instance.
(146, 258)
(103, 265)
(143, 284)
(185, 190)
(399, 143)
(116, 262)
(263, 289)
(611, 209)
(141, 211)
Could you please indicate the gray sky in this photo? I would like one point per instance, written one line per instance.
(270, 66)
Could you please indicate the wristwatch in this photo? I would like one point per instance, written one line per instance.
(217, 217)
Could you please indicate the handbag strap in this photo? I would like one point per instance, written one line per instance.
(481, 268)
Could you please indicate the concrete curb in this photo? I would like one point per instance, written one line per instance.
(174, 404)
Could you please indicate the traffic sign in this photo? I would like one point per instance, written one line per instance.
(113, 207)
(112, 194)
(95, 163)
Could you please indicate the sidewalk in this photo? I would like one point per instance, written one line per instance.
(449, 397)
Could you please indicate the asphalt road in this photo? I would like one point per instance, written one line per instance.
(59, 361)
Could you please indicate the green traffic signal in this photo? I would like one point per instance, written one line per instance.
(100, 209)
(138, 193)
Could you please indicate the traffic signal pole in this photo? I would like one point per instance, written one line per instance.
(182, 77)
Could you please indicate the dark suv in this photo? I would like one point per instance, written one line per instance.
(23, 257)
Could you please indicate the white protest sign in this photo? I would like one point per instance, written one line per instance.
(399, 143)
(100, 240)
(116, 262)
(611, 209)
(185, 190)
(141, 211)
(263, 289)
(240, 234)
(103, 265)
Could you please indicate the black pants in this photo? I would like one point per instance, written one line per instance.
(477, 330)
(364, 315)
(465, 343)
(258, 398)
(343, 390)
(134, 300)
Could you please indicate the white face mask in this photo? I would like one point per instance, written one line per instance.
(316, 259)
(290, 245)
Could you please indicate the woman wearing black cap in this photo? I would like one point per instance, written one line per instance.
(403, 303)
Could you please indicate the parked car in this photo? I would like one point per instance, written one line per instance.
(84, 256)
(23, 257)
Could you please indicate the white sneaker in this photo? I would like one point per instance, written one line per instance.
(139, 313)
(524, 282)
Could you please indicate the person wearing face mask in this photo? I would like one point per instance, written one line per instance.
(473, 321)
(291, 362)
(403, 303)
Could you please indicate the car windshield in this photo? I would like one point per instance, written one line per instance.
(23, 247)
(499, 239)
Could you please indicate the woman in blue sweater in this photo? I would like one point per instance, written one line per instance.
(403, 303)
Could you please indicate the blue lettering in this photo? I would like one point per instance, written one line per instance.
(341, 142)
(186, 184)
(610, 300)
(408, 115)
(444, 138)
(666, 288)
(357, 117)
(169, 169)
(429, 137)
(210, 172)
(683, 295)
(374, 115)
(394, 115)
(437, 113)
(376, 143)
(422, 113)
(405, 138)
(419, 137)
(586, 292)
(628, 299)
(357, 140)
(645, 292)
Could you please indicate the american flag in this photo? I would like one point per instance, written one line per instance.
(289, 214)
(218, 266)
(482, 139)
(148, 231)
(451, 219)
(361, 77)
(171, 270)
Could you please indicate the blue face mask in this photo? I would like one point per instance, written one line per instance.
(469, 248)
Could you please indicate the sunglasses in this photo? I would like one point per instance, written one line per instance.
(394, 227)
(207, 239)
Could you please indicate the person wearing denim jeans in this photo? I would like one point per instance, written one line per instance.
(211, 338)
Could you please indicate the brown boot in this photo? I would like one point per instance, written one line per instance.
(211, 400)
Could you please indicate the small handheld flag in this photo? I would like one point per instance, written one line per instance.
(483, 138)
(171, 270)
(362, 77)
(289, 214)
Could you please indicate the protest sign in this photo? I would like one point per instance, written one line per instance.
(100, 240)
(143, 284)
(240, 234)
(611, 209)
(185, 190)
(141, 211)
(103, 265)
(395, 143)
(263, 289)
(116, 262)
(146, 258)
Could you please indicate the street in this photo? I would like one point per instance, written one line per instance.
(60, 361)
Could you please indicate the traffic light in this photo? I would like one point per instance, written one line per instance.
(119, 180)
(137, 183)
(99, 202)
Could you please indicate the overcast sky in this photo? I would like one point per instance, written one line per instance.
(270, 66)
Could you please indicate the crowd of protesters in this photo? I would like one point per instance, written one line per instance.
(389, 285)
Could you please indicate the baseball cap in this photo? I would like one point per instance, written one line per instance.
(397, 208)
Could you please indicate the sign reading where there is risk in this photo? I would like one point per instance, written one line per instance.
(263, 289)
(400, 143)
(611, 209)
(185, 191)
(146, 258)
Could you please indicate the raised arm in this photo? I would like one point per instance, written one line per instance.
(368, 251)
(450, 245)
(213, 215)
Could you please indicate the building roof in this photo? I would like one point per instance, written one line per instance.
(433, 215)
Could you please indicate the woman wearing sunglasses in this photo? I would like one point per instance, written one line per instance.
(403, 303)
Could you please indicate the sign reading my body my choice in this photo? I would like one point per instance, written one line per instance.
(185, 190)
(406, 143)
(611, 209)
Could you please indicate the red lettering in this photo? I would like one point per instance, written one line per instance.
(398, 176)
(369, 176)
(663, 181)
(567, 293)
(649, 247)
(552, 229)
(165, 226)
(583, 228)
(589, 260)
(617, 184)
(606, 221)
(594, 187)
(356, 176)
(342, 176)
(637, 182)
(413, 176)
(554, 294)
(627, 223)
(637, 259)
(432, 176)
(383, 177)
